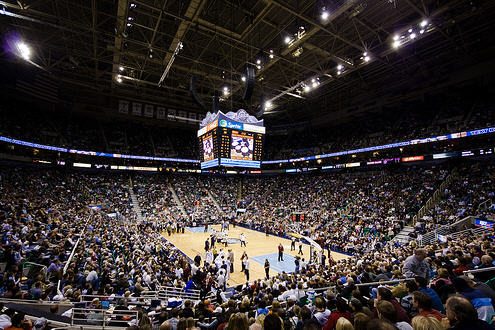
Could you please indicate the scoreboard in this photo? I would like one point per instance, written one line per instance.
(224, 142)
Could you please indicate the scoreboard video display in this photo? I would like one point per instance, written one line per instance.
(227, 143)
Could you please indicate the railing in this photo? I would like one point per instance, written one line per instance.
(481, 270)
(483, 205)
(102, 317)
(385, 282)
(166, 292)
(432, 236)
(435, 197)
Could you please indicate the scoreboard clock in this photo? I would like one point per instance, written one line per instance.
(225, 142)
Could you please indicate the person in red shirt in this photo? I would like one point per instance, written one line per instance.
(423, 304)
(342, 311)
(280, 252)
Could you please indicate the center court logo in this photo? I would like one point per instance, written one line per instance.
(223, 123)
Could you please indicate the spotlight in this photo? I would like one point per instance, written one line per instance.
(339, 73)
(365, 54)
(410, 30)
(421, 31)
(243, 78)
(119, 79)
(423, 23)
(121, 68)
(130, 18)
(315, 84)
(271, 54)
(258, 67)
(366, 58)
(150, 53)
(396, 37)
(129, 24)
(258, 61)
(325, 14)
(225, 91)
(268, 104)
(396, 44)
(132, 5)
(307, 88)
(340, 67)
(287, 40)
(24, 50)
(412, 35)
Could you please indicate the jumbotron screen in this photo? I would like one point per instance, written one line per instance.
(226, 143)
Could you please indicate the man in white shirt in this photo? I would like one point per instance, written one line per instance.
(246, 268)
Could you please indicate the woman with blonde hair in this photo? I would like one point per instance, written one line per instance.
(238, 321)
(426, 323)
(343, 324)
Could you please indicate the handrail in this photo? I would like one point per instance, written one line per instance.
(385, 282)
(481, 270)
(75, 246)
(33, 302)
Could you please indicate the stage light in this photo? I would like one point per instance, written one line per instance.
(271, 54)
(258, 61)
(367, 58)
(365, 54)
(287, 40)
(396, 44)
(121, 68)
(423, 23)
(396, 37)
(150, 53)
(307, 88)
(410, 30)
(24, 50)
(412, 35)
(258, 67)
(119, 79)
(129, 24)
(340, 67)
(315, 84)
(325, 14)
(132, 5)
(339, 73)
(421, 31)
(268, 105)
(225, 91)
(130, 18)
(243, 78)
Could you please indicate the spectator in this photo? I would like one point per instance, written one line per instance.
(415, 265)
(461, 315)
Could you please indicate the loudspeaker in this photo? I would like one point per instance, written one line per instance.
(250, 80)
(194, 95)
(215, 106)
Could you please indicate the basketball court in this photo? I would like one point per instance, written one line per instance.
(259, 247)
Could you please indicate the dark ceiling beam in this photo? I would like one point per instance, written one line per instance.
(120, 24)
(347, 5)
(153, 36)
(193, 10)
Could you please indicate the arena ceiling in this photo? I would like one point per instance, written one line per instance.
(346, 59)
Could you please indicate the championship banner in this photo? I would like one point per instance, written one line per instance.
(136, 109)
(124, 107)
(161, 113)
(148, 110)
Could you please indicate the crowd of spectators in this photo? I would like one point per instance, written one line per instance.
(119, 136)
(44, 212)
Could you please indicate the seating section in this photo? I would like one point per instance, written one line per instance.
(72, 236)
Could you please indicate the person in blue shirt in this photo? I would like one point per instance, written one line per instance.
(435, 298)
